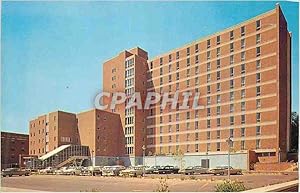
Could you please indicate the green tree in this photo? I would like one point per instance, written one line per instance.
(294, 131)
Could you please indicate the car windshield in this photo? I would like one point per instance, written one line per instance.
(190, 167)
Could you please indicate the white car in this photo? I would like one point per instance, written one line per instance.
(112, 170)
(72, 171)
(48, 170)
(60, 170)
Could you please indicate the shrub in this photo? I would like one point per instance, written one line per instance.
(163, 186)
(230, 186)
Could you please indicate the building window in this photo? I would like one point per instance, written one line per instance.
(243, 68)
(231, 133)
(218, 122)
(208, 66)
(208, 112)
(208, 89)
(170, 58)
(177, 127)
(208, 100)
(218, 52)
(231, 59)
(258, 144)
(243, 132)
(218, 75)
(231, 120)
(218, 99)
(231, 108)
(161, 71)
(257, 130)
(257, 64)
(257, 117)
(218, 40)
(231, 35)
(231, 47)
(257, 38)
(257, 51)
(231, 96)
(208, 135)
(258, 103)
(243, 81)
(177, 65)
(196, 59)
(243, 119)
(208, 44)
(258, 91)
(196, 148)
(243, 93)
(196, 125)
(242, 145)
(218, 146)
(242, 30)
(242, 43)
(243, 57)
(231, 71)
(218, 87)
(208, 78)
(208, 55)
(161, 61)
(258, 25)
(218, 63)
(231, 84)
(218, 134)
(170, 67)
(208, 147)
(218, 110)
(243, 106)
(177, 55)
(196, 48)
(208, 123)
(196, 80)
(196, 70)
(257, 77)
(188, 62)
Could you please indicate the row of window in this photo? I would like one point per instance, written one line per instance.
(208, 147)
(208, 134)
(218, 42)
(231, 120)
(197, 82)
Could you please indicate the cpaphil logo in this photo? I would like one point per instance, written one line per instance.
(189, 100)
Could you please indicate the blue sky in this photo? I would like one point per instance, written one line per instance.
(52, 52)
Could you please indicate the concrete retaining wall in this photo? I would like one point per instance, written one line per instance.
(238, 160)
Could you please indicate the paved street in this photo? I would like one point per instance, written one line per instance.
(150, 183)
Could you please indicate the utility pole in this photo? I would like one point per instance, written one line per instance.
(229, 141)
(143, 148)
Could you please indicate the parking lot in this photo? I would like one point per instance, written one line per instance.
(176, 182)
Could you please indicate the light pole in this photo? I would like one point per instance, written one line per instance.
(229, 141)
(143, 148)
(93, 162)
(279, 152)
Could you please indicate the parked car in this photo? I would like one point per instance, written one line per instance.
(72, 171)
(223, 170)
(150, 170)
(60, 171)
(167, 170)
(194, 170)
(95, 170)
(132, 171)
(48, 170)
(14, 172)
(112, 170)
